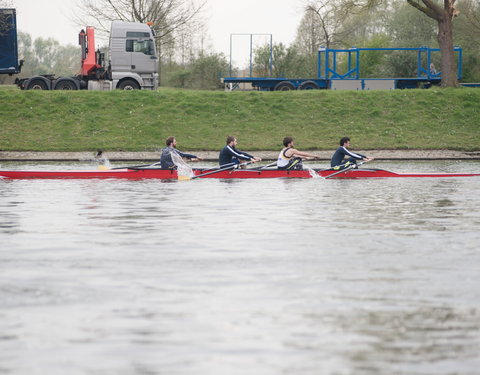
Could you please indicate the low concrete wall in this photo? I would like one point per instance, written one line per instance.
(213, 155)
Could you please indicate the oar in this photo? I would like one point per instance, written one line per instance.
(341, 171)
(216, 171)
(353, 166)
(269, 165)
(336, 168)
(264, 166)
(137, 166)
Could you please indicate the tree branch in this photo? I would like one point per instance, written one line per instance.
(427, 9)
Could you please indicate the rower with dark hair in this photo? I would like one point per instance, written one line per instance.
(166, 161)
(230, 156)
(290, 158)
(343, 158)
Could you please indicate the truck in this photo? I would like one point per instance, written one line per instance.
(9, 63)
(132, 63)
(339, 69)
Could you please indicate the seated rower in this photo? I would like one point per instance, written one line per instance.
(343, 158)
(230, 156)
(290, 158)
(166, 161)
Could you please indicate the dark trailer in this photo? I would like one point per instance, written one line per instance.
(8, 42)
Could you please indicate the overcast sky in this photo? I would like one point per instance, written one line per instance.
(51, 18)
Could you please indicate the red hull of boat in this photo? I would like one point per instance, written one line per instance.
(140, 174)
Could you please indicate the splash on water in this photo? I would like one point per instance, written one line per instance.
(102, 160)
(312, 172)
(183, 169)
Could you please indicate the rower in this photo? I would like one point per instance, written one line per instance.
(290, 158)
(343, 158)
(230, 156)
(166, 161)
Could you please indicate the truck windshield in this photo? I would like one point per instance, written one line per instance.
(143, 46)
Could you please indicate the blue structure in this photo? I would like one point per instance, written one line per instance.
(8, 43)
(330, 77)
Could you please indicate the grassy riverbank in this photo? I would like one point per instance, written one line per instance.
(141, 120)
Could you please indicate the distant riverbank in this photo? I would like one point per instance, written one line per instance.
(213, 155)
(140, 121)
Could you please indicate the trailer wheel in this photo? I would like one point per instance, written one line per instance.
(128, 84)
(37, 84)
(308, 85)
(284, 86)
(66, 84)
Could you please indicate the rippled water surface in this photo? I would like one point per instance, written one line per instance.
(241, 277)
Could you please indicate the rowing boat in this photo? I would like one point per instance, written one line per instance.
(163, 174)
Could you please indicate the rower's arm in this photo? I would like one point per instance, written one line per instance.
(239, 154)
(354, 154)
(186, 156)
(295, 152)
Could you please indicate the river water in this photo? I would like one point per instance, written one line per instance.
(241, 277)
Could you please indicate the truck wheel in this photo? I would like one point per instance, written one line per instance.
(128, 84)
(65, 84)
(308, 85)
(284, 86)
(37, 84)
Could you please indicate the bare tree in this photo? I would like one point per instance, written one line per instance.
(166, 15)
(333, 22)
(471, 11)
(324, 14)
(309, 36)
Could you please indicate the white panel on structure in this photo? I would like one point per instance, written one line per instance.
(379, 84)
(100, 85)
(350, 84)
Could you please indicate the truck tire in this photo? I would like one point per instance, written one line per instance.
(284, 86)
(37, 84)
(308, 85)
(128, 84)
(65, 84)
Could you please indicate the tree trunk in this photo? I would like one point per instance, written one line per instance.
(445, 41)
(444, 17)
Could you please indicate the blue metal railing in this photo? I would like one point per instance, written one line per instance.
(328, 60)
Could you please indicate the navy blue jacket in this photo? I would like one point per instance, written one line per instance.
(341, 153)
(230, 155)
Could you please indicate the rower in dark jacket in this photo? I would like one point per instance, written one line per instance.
(230, 156)
(343, 158)
(166, 161)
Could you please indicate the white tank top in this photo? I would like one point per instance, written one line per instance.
(282, 160)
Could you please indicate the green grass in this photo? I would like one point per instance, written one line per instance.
(201, 120)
